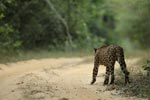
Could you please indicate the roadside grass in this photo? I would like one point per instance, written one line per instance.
(144, 54)
(39, 54)
(140, 82)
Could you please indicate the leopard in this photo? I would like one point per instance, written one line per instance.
(107, 55)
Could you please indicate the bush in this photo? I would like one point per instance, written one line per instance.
(147, 67)
(9, 39)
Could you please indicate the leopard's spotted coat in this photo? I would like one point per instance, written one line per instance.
(107, 55)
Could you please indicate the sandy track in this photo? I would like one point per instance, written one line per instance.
(54, 79)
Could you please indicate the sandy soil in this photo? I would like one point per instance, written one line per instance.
(55, 79)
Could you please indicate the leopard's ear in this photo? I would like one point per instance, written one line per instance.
(95, 49)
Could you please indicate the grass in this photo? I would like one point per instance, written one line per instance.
(140, 82)
(144, 54)
(139, 86)
(39, 54)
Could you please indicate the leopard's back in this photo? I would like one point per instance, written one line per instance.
(108, 54)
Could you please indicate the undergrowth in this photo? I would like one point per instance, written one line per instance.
(39, 54)
(140, 82)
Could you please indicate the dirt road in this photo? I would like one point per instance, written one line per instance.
(55, 79)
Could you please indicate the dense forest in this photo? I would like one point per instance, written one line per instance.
(73, 24)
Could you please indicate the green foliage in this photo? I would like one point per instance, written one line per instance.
(9, 39)
(132, 20)
(147, 67)
(29, 24)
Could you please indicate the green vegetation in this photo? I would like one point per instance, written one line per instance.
(72, 24)
(42, 54)
(147, 67)
(139, 85)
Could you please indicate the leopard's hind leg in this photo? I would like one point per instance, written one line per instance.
(107, 74)
(95, 70)
(112, 75)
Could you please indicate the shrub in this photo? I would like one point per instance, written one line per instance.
(147, 67)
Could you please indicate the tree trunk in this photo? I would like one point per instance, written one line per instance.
(62, 20)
